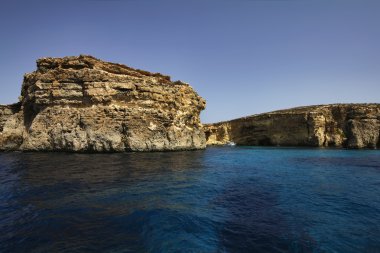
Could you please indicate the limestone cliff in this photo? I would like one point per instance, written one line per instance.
(85, 104)
(337, 125)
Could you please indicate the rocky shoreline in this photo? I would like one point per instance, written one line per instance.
(336, 125)
(83, 104)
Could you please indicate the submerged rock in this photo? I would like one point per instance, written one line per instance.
(85, 104)
(337, 125)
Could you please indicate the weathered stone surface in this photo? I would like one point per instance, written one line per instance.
(337, 125)
(84, 104)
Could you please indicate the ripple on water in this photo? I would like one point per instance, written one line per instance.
(238, 199)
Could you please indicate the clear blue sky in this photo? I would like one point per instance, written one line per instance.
(242, 56)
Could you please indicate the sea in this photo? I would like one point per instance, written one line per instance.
(222, 199)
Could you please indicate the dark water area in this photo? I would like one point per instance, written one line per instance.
(227, 199)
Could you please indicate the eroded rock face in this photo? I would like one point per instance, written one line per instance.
(84, 104)
(338, 125)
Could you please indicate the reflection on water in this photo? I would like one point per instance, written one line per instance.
(232, 199)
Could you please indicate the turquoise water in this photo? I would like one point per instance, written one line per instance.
(227, 199)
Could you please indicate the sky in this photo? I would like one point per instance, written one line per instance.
(243, 56)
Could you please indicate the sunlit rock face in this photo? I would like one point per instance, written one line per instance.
(85, 104)
(337, 125)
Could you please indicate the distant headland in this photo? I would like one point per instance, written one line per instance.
(335, 125)
(83, 104)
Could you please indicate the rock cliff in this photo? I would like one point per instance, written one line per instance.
(85, 104)
(337, 125)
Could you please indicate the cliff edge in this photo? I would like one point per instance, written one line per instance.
(336, 125)
(85, 104)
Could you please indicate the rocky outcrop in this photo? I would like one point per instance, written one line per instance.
(337, 125)
(84, 104)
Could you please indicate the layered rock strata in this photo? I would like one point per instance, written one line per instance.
(337, 125)
(85, 104)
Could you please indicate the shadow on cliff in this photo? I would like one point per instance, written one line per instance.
(30, 113)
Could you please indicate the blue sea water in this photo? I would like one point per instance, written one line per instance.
(226, 199)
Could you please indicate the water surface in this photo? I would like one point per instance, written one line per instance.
(227, 199)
